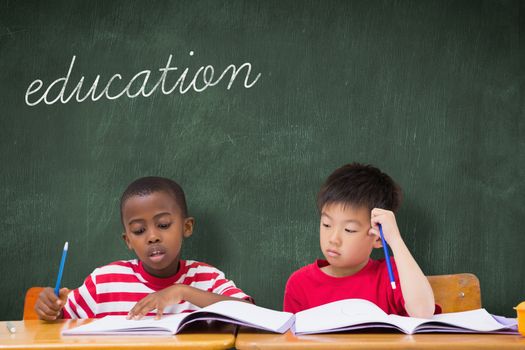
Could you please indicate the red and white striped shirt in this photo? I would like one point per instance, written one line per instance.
(115, 288)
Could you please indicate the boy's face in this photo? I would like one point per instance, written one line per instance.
(345, 239)
(155, 228)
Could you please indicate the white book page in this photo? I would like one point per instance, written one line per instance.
(241, 312)
(119, 324)
(244, 313)
(252, 315)
(477, 320)
(339, 314)
(407, 324)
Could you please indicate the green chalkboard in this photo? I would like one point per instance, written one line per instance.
(249, 105)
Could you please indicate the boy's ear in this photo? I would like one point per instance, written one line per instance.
(377, 239)
(377, 242)
(126, 240)
(188, 226)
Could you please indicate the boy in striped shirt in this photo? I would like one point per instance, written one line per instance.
(154, 215)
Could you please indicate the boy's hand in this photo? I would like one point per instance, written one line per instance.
(387, 220)
(48, 306)
(158, 300)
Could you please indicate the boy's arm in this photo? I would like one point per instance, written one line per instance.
(417, 292)
(202, 298)
(49, 307)
(173, 295)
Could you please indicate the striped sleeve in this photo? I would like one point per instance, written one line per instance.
(223, 286)
(81, 302)
(206, 277)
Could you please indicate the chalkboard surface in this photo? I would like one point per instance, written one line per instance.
(95, 94)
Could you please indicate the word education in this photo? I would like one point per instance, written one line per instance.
(115, 87)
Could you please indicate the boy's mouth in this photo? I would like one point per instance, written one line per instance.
(156, 253)
(332, 253)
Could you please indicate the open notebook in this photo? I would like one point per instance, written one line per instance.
(236, 312)
(353, 314)
(343, 315)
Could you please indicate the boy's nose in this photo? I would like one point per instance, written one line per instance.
(335, 238)
(153, 240)
(153, 237)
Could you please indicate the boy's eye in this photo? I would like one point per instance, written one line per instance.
(350, 230)
(138, 231)
(164, 226)
(325, 225)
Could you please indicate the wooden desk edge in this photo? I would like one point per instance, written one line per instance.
(258, 340)
(36, 334)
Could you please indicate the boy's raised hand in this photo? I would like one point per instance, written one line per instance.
(158, 300)
(387, 219)
(48, 306)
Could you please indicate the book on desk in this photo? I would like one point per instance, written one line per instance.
(236, 312)
(355, 314)
(338, 316)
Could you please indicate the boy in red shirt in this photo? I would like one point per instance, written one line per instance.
(352, 202)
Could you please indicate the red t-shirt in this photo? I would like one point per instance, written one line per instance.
(309, 287)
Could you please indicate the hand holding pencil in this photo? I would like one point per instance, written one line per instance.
(378, 219)
(51, 301)
(387, 220)
(48, 306)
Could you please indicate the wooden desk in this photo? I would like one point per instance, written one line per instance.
(34, 334)
(251, 339)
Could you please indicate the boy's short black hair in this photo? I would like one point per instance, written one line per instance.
(147, 185)
(358, 184)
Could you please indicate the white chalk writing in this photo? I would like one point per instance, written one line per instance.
(197, 81)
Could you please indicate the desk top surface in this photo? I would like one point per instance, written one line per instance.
(36, 334)
(41, 335)
(252, 339)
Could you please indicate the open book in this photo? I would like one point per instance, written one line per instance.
(343, 315)
(230, 311)
(353, 314)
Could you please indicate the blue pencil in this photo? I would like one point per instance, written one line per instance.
(387, 258)
(61, 269)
